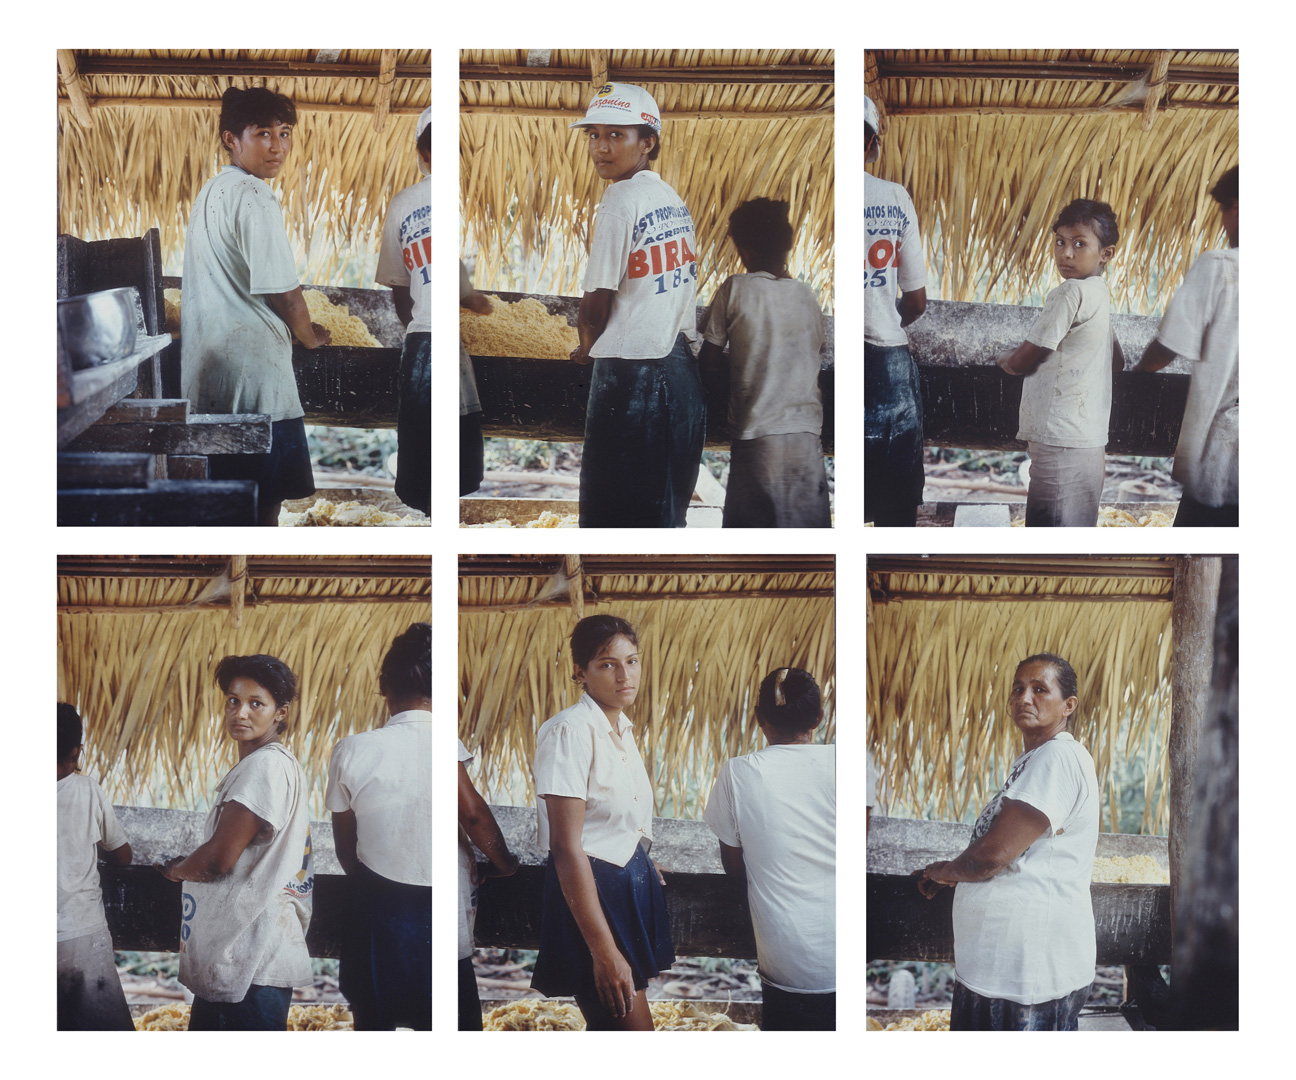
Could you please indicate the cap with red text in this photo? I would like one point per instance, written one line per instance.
(621, 105)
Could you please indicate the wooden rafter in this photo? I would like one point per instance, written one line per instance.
(308, 69)
(1053, 71)
(807, 74)
(215, 104)
(825, 113)
(76, 98)
(386, 75)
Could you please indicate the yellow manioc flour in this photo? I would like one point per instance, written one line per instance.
(171, 301)
(326, 512)
(520, 328)
(931, 1020)
(536, 1015)
(1111, 518)
(345, 329)
(547, 520)
(300, 1018)
(1132, 869)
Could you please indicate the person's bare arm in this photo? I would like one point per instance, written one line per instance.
(731, 858)
(236, 828)
(346, 842)
(1022, 360)
(1155, 357)
(1017, 826)
(119, 856)
(291, 307)
(476, 819)
(613, 978)
(477, 302)
(912, 305)
(404, 303)
(591, 321)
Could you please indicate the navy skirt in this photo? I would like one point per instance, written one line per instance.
(635, 908)
(283, 473)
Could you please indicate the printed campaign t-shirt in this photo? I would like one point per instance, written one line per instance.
(85, 819)
(1027, 934)
(250, 927)
(780, 806)
(1201, 325)
(893, 259)
(405, 257)
(1066, 401)
(235, 352)
(643, 248)
(775, 330)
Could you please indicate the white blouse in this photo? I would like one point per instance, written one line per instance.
(579, 755)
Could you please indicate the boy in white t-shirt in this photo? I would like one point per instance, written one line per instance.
(775, 815)
(774, 328)
(90, 994)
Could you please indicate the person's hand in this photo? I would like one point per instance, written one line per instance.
(581, 355)
(165, 868)
(490, 870)
(658, 870)
(928, 886)
(322, 336)
(615, 983)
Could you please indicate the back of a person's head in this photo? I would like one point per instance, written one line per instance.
(406, 670)
(763, 227)
(69, 730)
(1225, 191)
(255, 107)
(789, 701)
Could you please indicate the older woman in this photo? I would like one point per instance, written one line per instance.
(1024, 948)
(603, 931)
(246, 898)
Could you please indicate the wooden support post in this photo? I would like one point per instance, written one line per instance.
(386, 77)
(1156, 78)
(576, 585)
(598, 67)
(75, 88)
(238, 586)
(1196, 587)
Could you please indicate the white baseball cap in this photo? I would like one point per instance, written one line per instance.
(621, 105)
(425, 118)
(871, 120)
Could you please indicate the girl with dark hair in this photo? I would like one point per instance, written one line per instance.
(380, 795)
(243, 301)
(604, 932)
(775, 815)
(1067, 359)
(646, 417)
(1024, 943)
(247, 887)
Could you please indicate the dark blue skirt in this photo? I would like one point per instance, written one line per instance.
(635, 908)
(414, 423)
(282, 473)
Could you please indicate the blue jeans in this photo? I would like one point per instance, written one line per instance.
(263, 1008)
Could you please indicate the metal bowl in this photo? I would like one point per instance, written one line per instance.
(98, 327)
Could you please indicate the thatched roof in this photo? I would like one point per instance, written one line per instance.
(139, 638)
(992, 143)
(138, 138)
(944, 640)
(710, 628)
(736, 124)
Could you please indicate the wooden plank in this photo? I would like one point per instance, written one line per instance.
(163, 502)
(141, 410)
(187, 467)
(348, 387)
(93, 392)
(237, 433)
(104, 470)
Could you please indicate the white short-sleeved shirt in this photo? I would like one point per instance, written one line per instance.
(385, 777)
(578, 755)
(1201, 324)
(1027, 934)
(250, 927)
(643, 248)
(775, 330)
(1066, 401)
(85, 820)
(467, 879)
(870, 781)
(235, 352)
(405, 257)
(780, 806)
(893, 259)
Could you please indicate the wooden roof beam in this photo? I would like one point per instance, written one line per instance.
(1058, 110)
(1054, 71)
(215, 104)
(646, 565)
(258, 566)
(807, 74)
(386, 78)
(1156, 82)
(308, 69)
(77, 100)
(1082, 566)
(825, 113)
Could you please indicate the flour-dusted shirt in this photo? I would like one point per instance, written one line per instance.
(775, 330)
(643, 249)
(85, 820)
(250, 927)
(780, 806)
(235, 352)
(1201, 324)
(1027, 934)
(1066, 401)
(467, 879)
(405, 257)
(580, 756)
(385, 777)
(893, 259)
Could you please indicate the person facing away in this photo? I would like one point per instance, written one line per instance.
(90, 996)
(775, 815)
(1067, 361)
(774, 329)
(1201, 325)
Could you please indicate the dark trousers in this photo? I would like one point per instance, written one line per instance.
(472, 453)
(893, 440)
(263, 1008)
(972, 1012)
(414, 423)
(1193, 513)
(470, 1014)
(386, 965)
(784, 1011)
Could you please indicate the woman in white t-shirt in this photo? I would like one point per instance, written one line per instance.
(247, 887)
(604, 931)
(645, 421)
(1024, 944)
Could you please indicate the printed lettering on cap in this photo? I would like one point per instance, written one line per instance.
(603, 90)
(648, 118)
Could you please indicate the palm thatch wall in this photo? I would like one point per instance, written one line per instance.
(135, 149)
(942, 651)
(992, 143)
(710, 629)
(139, 638)
(527, 187)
